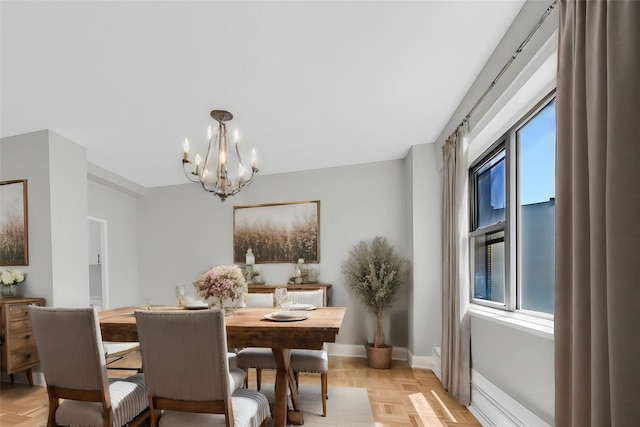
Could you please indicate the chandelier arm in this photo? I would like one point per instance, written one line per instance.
(238, 154)
(187, 174)
(207, 188)
(246, 182)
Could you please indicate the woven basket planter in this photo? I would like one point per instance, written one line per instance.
(380, 357)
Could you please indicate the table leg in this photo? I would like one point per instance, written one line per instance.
(285, 382)
(295, 415)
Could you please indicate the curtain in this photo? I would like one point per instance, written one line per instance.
(456, 338)
(597, 315)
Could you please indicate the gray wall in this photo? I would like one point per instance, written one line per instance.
(27, 157)
(424, 211)
(120, 212)
(69, 232)
(56, 172)
(519, 363)
(182, 231)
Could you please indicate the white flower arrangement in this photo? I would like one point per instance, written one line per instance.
(11, 277)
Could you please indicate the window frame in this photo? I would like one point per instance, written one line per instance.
(511, 225)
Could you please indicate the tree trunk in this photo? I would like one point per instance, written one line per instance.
(379, 340)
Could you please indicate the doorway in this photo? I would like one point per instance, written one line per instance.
(98, 268)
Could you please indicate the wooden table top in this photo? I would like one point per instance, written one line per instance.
(247, 329)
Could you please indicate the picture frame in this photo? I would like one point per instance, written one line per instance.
(14, 223)
(277, 232)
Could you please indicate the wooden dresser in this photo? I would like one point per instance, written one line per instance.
(18, 345)
(255, 288)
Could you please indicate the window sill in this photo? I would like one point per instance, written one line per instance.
(530, 324)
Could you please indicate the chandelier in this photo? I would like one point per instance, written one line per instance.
(214, 176)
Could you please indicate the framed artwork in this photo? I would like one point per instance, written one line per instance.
(14, 235)
(277, 232)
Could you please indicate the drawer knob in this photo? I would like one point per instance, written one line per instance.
(27, 356)
(26, 337)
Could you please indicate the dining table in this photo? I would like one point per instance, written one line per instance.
(252, 327)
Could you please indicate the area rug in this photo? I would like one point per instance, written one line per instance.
(346, 406)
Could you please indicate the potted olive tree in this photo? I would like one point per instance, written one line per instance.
(375, 272)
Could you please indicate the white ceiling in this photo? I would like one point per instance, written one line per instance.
(311, 84)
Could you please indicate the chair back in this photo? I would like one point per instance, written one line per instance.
(70, 347)
(184, 354)
(259, 300)
(315, 297)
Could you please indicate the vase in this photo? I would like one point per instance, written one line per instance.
(231, 311)
(215, 303)
(8, 290)
(229, 306)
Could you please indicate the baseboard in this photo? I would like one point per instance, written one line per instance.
(494, 408)
(21, 378)
(38, 379)
(357, 350)
(436, 366)
(421, 362)
(479, 416)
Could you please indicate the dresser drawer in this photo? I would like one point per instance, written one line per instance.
(24, 357)
(22, 340)
(19, 311)
(19, 326)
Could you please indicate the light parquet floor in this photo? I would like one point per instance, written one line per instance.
(400, 396)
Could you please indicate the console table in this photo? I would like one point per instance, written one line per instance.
(256, 288)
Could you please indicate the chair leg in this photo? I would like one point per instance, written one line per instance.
(53, 407)
(246, 378)
(154, 416)
(296, 375)
(142, 419)
(259, 377)
(323, 380)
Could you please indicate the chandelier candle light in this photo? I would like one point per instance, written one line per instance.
(221, 183)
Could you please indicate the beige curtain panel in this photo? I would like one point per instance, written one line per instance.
(597, 315)
(456, 338)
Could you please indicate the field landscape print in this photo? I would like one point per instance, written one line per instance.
(13, 223)
(278, 232)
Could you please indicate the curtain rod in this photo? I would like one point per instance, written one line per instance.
(517, 52)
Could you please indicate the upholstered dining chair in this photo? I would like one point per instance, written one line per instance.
(184, 355)
(72, 358)
(259, 300)
(253, 300)
(311, 361)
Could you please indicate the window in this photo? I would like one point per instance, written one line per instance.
(512, 243)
